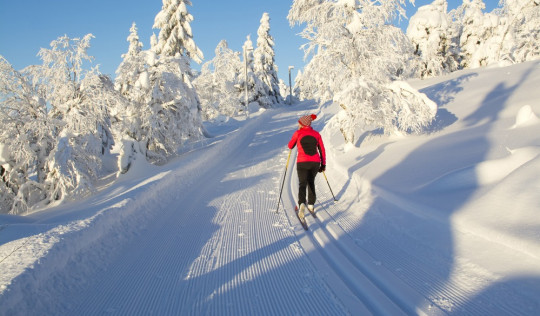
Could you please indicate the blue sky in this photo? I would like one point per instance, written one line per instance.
(28, 25)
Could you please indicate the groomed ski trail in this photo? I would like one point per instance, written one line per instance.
(202, 238)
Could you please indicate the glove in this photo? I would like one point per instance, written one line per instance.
(322, 168)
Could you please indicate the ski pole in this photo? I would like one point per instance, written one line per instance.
(283, 182)
(329, 186)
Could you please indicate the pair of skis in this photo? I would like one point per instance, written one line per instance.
(303, 220)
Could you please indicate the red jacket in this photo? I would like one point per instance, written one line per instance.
(310, 145)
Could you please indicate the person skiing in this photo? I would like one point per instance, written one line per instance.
(311, 159)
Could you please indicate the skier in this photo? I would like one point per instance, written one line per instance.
(310, 160)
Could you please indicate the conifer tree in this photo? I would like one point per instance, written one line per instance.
(251, 84)
(219, 84)
(163, 110)
(131, 65)
(175, 34)
(135, 45)
(475, 32)
(168, 98)
(264, 64)
(429, 30)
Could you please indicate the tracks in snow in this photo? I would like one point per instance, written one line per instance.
(371, 288)
(405, 254)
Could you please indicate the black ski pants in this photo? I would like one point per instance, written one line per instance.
(307, 171)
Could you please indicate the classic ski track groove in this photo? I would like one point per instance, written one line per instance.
(352, 269)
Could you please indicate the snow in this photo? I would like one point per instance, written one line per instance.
(428, 17)
(439, 223)
(526, 117)
(4, 157)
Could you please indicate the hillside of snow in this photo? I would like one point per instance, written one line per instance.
(443, 223)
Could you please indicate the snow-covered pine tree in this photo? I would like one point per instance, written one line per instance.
(264, 64)
(429, 30)
(219, 85)
(476, 29)
(163, 109)
(132, 82)
(283, 89)
(135, 46)
(131, 66)
(168, 98)
(171, 105)
(254, 86)
(301, 88)
(357, 54)
(153, 42)
(175, 34)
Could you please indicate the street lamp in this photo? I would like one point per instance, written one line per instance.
(290, 86)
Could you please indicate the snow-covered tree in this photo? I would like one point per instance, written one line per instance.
(219, 84)
(163, 109)
(505, 36)
(520, 35)
(135, 46)
(153, 42)
(26, 140)
(255, 88)
(357, 54)
(283, 89)
(301, 88)
(429, 30)
(264, 64)
(81, 100)
(60, 112)
(172, 106)
(396, 107)
(131, 83)
(477, 28)
(131, 66)
(175, 34)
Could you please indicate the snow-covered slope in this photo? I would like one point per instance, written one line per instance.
(442, 223)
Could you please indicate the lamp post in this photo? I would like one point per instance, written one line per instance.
(290, 86)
